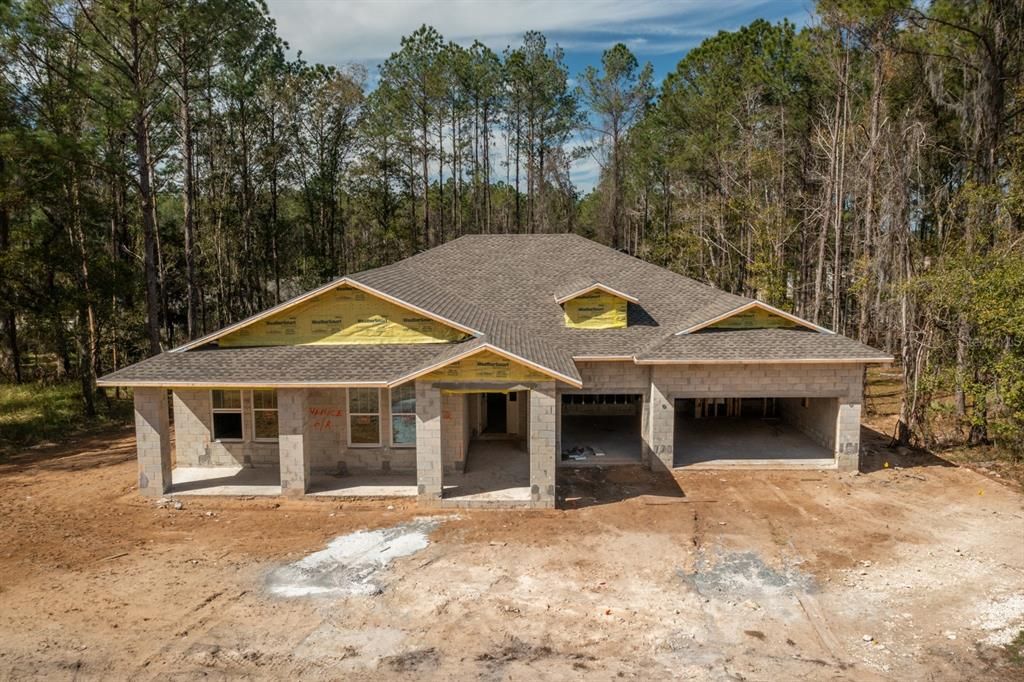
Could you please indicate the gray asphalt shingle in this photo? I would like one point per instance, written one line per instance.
(759, 345)
(503, 287)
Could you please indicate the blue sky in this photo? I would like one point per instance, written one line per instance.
(658, 31)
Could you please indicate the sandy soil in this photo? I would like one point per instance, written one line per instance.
(713, 575)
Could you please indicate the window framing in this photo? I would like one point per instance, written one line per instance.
(240, 411)
(253, 409)
(349, 414)
(392, 414)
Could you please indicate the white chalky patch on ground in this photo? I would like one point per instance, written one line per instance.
(350, 563)
(1002, 619)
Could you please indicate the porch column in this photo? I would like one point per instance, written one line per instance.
(848, 435)
(429, 461)
(543, 439)
(660, 432)
(293, 440)
(153, 440)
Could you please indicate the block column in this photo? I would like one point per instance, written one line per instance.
(293, 440)
(848, 436)
(661, 424)
(153, 440)
(429, 459)
(543, 439)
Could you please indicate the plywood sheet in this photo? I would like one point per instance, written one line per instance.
(486, 367)
(596, 310)
(343, 316)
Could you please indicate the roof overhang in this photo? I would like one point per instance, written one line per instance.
(240, 384)
(334, 284)
(769, 361)
(576, 383)
(763, 306)
(596, 286)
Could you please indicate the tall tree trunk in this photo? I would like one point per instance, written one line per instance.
(149, 227)
(10, 318)
(188, 194)
(87, 343)
(425, 158)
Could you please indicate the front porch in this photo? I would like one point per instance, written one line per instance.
(456, 465)
(266, 482)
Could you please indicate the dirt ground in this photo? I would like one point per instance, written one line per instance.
(912, 569)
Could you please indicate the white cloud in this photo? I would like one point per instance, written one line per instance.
(369, 30)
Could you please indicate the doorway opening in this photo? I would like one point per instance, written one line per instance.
(495, 413)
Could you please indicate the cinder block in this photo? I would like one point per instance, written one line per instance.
(153, 440)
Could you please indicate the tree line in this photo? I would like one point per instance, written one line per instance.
(167, 168)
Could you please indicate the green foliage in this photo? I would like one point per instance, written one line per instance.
(36, 413)
(1015, 651)
(987, 292)
(166, 163)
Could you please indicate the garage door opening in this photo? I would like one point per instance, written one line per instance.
(783, 432)
(601, 429)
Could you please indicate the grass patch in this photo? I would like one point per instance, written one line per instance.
(1015, 651)
(31, 414)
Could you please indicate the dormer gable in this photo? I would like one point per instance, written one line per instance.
(593, 305)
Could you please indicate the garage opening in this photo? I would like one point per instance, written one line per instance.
(762, 431)
(601, 429)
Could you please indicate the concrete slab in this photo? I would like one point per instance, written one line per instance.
(359, 485)
(745, 442)
(615, 439)
(225, 481)
(497, 471)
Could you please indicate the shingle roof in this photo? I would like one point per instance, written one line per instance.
(503, 288)
(274, 365)
(759, 345)
(514, 278)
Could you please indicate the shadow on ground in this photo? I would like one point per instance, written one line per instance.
(877, 453)
(592, 486)
(105, 446)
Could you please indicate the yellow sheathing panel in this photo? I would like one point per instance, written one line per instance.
(754, 318)
(343, 316)
(485, 367)
(596, 310)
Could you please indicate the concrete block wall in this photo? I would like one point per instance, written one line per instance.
(429, 460)
(328, 438)
(328, 427)
(841, 382)
(331, 451)
(294, 440)
(153, 441)
(193, 435)
(544, 442)
(817, 420)
(848, 436)
(455, 431)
